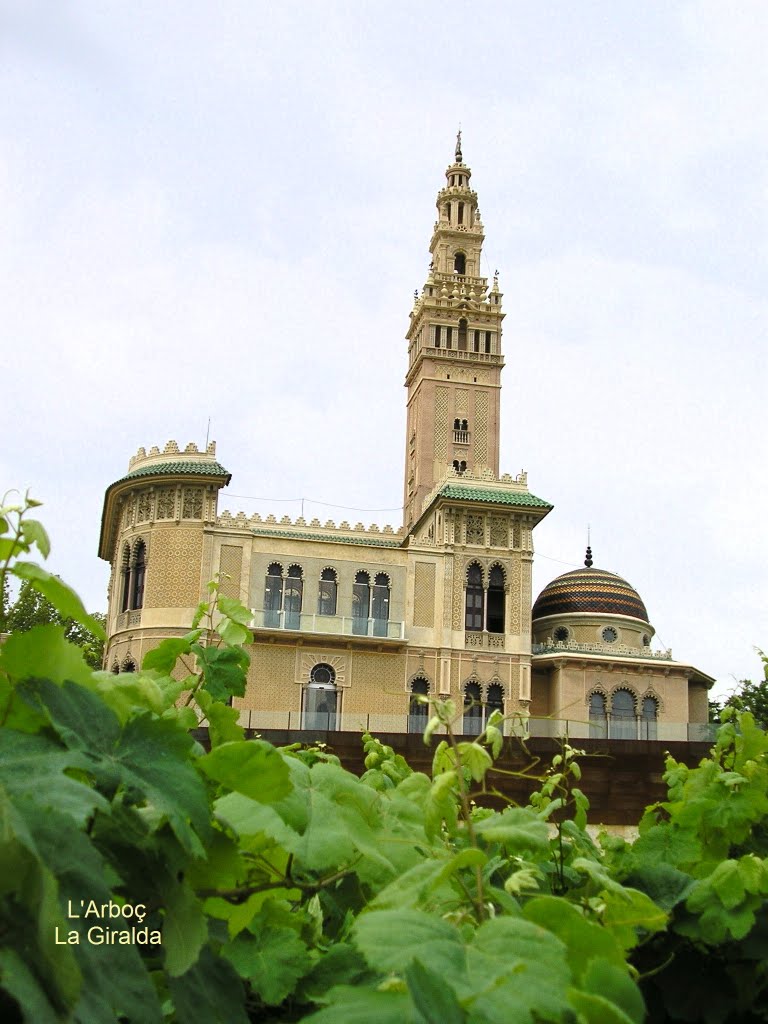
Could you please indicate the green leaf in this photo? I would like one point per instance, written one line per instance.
(390, 940)
(234, 610)
(252, 767)
(353, 1005)
(248, 817)
(42, 652)
(667, 843)
(476, 759)
(271, 959)
(609, 995)
(209, 991)
(222, 720)
(630, 915)
(184, 930)
(21, 983)
(665, 885)
(165, 655)
(518, 828)
(33, 766)
(224, 670)
(149, 757)
(516, 971)
(583, 939)
(62, 597)
(34, 533)
(432, 996)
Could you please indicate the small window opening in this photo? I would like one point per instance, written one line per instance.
(460, 263)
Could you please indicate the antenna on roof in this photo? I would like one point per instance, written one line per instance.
(207, 433)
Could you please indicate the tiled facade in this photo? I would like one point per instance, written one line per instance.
(350, 621)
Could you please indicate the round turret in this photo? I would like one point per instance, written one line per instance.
(591, 605)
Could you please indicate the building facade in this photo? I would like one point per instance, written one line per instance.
(351, 622)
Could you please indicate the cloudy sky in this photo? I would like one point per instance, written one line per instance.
(221, 210)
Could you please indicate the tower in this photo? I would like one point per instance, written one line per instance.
(454, 351)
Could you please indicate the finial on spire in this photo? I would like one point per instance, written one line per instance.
(588, 559)
(459, 157)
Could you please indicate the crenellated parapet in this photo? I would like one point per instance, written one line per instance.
(313, 530)
(172, 452)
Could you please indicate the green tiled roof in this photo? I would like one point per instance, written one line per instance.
(496, 497)
(180, 467)
(366, 541)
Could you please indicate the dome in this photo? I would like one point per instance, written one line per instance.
(594, 591)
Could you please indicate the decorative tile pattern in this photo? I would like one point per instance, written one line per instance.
(424, 594)
(441, 423)
(173, 574)
(231, 567)
(481, 429)
(475, 529)
(589, 590)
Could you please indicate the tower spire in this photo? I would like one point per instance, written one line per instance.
(454, 350)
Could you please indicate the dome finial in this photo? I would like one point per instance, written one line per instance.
(458, 146)
(588, 559)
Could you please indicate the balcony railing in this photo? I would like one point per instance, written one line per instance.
(335, 625)
(357, 721)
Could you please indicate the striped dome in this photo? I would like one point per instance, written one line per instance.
(589, 590)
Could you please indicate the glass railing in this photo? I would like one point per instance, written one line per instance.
(353, 721)
(339, 625)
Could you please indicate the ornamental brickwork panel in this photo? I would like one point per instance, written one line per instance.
(475, 529)
(173, 572)
(481, 429)
(424, 594)
(515, 597)
(144, 508)
(231, 567)
(499, 532)
(377, 685)
(166, 503)
(192, 503)
(441, 423)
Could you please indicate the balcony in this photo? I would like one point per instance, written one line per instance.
(327, 625)
(517, 725)
(484, 641)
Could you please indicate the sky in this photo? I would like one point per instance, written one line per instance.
(220, 211)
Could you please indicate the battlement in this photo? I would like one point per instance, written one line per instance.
(484, 477)
(301, 527)
(173, 452)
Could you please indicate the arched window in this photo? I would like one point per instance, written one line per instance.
(273, 595)
(473, 603)
(457, 424)
(597, 716)
(476, 341)
(460, 263)
(361, 602)
(462, 335)
(464, 425)
(460, 466)
(495, 701)
(326, 595)
(320, 699)
(437, 335)
(139, 574)
(472, 722)
(380, 604)
(115, 668)
(562, 634)
(649, 719)
(294, 591)
(129, 665)
(418, 711)
(495, 618)
(623, 724)
(125, 579)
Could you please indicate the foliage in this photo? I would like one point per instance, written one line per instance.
(747, 696)
(273, 885)
(31, 608)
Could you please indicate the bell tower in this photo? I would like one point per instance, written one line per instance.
(454, 352)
